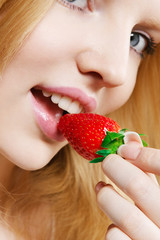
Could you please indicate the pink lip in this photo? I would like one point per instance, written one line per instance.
(48, 114)
(89, 103)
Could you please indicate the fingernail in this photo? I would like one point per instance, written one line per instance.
(99, 186)
(130, 151)
(132, 136)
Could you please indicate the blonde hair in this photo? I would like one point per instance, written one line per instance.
(63, 191)
(17, 19)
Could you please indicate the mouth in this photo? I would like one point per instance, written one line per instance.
(49, 107)
(65, 103)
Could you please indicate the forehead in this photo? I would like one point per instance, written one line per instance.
(148, 14)
(150, 7)
(145, 12)
(150, 10)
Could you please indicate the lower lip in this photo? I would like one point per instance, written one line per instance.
(47, 116)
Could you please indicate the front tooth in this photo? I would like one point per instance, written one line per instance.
(46, 94)
(56, 98)
(74, 107)
(64, 103)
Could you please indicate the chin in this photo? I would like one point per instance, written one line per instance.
(30, 159)
(29, 151)
(33, 165)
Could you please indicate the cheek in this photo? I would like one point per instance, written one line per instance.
(24, 147)
(48, 44)
(21, 142)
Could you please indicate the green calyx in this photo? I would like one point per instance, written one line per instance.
(111, 143)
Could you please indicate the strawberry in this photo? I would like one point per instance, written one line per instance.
(93, 136)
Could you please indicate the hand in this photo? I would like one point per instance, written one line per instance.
(139, 221)
(148, 159)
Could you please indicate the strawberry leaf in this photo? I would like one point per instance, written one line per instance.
(144, 143)
(111, 137)
(106, 140)
(114, 135)
(104, 152)
(96, 160)
(122, 131)
(115, 144)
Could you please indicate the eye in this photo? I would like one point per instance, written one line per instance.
(138, 42)
(141, 43)
(79, 4)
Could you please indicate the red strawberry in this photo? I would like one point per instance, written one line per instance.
(91, 135)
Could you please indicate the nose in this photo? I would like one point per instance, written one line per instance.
(107, 57)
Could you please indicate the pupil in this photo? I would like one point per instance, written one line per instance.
(134, 39)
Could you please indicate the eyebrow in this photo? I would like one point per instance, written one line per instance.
(152, 24)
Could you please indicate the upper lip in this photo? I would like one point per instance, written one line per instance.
(89, 103)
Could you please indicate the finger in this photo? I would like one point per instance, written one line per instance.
(153, 178)
(114, 233)
(148, 159)
(136, 184)
(126, 216)
(133, 137)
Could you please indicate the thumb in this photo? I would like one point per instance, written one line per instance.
(148, 159)
(131, 147)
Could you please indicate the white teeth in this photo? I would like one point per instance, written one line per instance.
(56, 98)
(46, 94)
(66, 103)
(74, 107)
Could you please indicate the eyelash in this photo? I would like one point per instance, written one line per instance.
(151, 46)
(72, 6)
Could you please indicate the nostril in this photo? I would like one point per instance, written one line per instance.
(96, 75)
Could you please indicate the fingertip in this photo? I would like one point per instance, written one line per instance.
(99, 186)
(132, 137)
(130, 151)
(131, 147)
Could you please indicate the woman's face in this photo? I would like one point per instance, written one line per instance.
(82, 55)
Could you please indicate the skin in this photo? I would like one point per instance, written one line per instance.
(49, 58)
(139, 221)
(104, 66)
